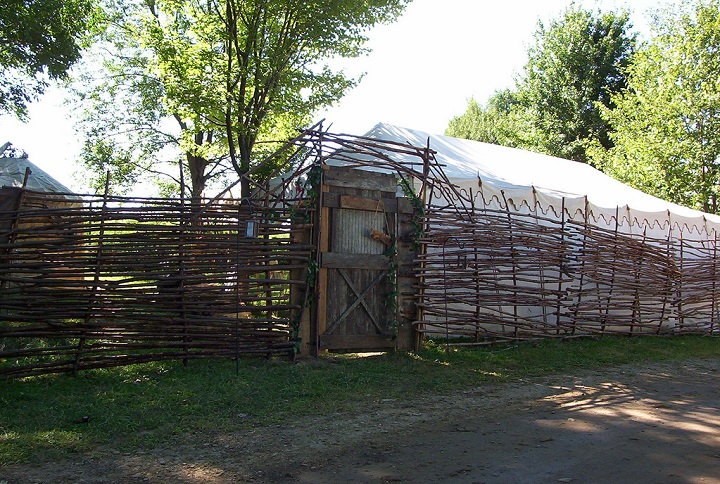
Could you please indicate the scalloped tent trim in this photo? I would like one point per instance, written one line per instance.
(524, 181)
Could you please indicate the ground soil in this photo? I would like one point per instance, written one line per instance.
(652, 423)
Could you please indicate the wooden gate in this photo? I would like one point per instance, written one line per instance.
(365, 273)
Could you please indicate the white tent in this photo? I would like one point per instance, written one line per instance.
(522, 244)
(628, 259)
(532, 181)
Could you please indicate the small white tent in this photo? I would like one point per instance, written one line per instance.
(12, 174)
(25, 187)
(532, 181)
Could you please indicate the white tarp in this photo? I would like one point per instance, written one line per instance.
(531, 181)
(12, 174)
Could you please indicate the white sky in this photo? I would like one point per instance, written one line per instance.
(421, 73)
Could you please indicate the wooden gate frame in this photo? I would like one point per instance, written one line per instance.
(314, 323)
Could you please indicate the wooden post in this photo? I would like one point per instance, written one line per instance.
(713, 302)
(604, 318)
(476, 275)
(96, 278)
(541, 266)
(681, 317)
(300, 295)
(669, 280)
(582, 269)
(637, 314)
(514, 263)
(181, 263)
(561, 268)
(321, 243)
(407, 338)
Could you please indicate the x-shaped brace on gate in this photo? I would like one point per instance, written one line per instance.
(359, 301)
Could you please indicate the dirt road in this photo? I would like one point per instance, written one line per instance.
(654, 424)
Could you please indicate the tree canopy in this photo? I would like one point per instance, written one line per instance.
(231, 74)
(39, 41)
(501, 121)
(576, 62)
(667, 122)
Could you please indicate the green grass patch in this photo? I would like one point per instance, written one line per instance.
(141, 406)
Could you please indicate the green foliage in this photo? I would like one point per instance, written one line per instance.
(502, 121)
(39, 41)
(233, 76)
(418, 225)
(391, 298)
(576, 63)
(667, 122)
(143, 406)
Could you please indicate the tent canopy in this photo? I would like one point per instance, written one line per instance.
(12, 174)
(536, 180)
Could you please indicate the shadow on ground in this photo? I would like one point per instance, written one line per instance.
(627, 424)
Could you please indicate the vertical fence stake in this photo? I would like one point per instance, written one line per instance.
(713, 303)
(637, 313)
(541, 267)
(476, 271)
(96, 278)
(514, 265)
(604, 318)
(237, 292)
(668, 279)
(681, 317)
(561, 268)
(583, 259)
(181, 264)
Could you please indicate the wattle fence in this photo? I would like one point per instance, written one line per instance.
(96, 281)
(90, 282)
(490, 275)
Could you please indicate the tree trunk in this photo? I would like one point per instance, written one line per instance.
(197, 166)
(245, 143)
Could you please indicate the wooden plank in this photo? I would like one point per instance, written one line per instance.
(362, 203)
(356, 342)
(321, 323)
(333, 200)
(338, 176)
(332, 260)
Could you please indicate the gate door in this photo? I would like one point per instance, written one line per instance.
(359, 217)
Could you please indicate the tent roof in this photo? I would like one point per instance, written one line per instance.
(12, 174)
(513, 169)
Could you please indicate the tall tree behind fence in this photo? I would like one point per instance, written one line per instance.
(90, 282)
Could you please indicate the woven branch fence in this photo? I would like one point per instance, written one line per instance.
(98, 281)
(90, 282)
(492, 274)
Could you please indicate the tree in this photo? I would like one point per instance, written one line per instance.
(576, 62)
(231, 74)
(667, 122)
(39, 41)
(501, 121)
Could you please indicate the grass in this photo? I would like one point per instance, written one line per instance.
(142, 406)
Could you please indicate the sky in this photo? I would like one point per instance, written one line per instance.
(421, 73)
